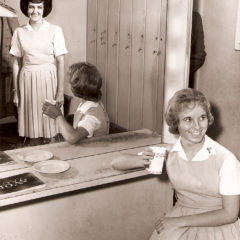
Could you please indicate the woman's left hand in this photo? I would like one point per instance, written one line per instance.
(167, 222)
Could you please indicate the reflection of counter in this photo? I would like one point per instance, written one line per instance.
(90, 200)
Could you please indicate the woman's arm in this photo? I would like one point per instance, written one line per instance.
(70, 134)
(228, 214)
(60, 78)
(16, 70)
(131, 161)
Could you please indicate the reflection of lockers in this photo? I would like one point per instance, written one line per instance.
(126, 41)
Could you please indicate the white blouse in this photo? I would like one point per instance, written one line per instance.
(229, 173)
(87, 121)
(55, 46)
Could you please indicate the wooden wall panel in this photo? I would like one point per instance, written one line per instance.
(102, 19)
(137, 63)
(153, 12)
(161, 67)
(91, 31)
(124, 75)
(112, 59)
(130, 56)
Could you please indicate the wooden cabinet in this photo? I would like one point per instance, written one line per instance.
(126, 41)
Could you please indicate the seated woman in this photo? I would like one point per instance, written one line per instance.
(204, 174)
(90, 118)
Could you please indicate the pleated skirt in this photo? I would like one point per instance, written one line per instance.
(224, 232)
(36, 84)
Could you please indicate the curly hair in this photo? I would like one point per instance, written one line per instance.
(85, 81)
(181, 100)
(46, 10)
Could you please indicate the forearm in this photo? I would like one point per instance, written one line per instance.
(208, 219)
(226, 215)
(128, 161)
(70, 134)
(60, 74)
(16, 69)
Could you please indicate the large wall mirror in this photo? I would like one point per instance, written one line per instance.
(141, 48)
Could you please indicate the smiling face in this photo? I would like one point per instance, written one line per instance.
(35, 11)
(193, 124)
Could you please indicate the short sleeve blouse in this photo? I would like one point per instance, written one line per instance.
(88, 121)
(229, 173)
(59, 42)
(23, 44)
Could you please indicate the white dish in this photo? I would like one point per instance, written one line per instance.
(35, 156)
(51, 166)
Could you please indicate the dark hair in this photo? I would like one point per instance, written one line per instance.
(85, 81)
(46, 3)
(181, 100)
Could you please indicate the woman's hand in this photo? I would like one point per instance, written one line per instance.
(166, 223)
(15, 98)
(52, 111)
(147, 155)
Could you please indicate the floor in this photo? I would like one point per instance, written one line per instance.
(9, 138)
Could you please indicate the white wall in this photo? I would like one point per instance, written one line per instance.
(219, 76)
(71, 16)
(177, 53)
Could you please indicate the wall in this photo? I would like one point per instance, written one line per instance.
(177, 53)
(219, 76)
(140, 72)
(126, 40)
(71, 16)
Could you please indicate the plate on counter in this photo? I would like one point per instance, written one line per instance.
(35, 155)
(51, 166)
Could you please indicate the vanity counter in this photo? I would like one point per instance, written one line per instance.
(89, 193)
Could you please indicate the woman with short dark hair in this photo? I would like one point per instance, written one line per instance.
(86, 81)
(179, 101)
(47, 6)
(90, 118)
(38, 50)
(204, 174)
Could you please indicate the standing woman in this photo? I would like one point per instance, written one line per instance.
(38, 50)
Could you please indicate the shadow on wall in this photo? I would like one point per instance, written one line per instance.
(216, 128)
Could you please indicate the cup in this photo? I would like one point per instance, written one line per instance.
(156, 164)
(53, 102)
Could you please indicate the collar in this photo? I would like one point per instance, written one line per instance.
(45, 24)
(83, 107)
(207, 149)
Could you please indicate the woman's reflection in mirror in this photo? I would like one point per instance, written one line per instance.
(90, 118)
(38, 50)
